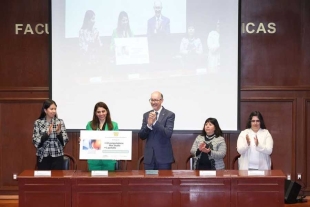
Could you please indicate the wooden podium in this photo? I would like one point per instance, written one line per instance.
(38, 191)
(182, 188)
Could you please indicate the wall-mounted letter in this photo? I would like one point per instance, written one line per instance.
(272, 28)
(18, 27)
(28, 29)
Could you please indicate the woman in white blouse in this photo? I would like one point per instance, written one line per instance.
(255, 144)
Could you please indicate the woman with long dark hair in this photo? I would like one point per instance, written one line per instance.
(49, 137)
(122, 30)
(89, 40)
(209, 148)
(255, 144)
(101, 121)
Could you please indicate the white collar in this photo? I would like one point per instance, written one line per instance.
(255, 132)
(159, 110)
(159, 18)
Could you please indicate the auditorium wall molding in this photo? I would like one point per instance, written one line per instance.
(23, 94)
(18, 100)
(24, 89)
(306, 140)
(276, 88)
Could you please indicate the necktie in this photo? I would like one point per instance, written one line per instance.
(157, 27)
(156, 115)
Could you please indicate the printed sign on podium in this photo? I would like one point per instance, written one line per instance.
(106, 145)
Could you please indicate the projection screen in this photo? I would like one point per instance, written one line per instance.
(120, 51)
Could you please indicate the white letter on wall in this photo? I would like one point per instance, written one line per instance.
(37, 30)
(17, 28)
(272, 28)
(28, 29)
(247, 27)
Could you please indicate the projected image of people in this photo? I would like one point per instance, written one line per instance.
(122, 31)
(182, 46)
(89, 40)
(158, 24)
(191, 49)
(214, 55)
(158, 30)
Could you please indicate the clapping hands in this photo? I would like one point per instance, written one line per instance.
(249, 142)
(151, 119)
(202, 148)
(50, 129)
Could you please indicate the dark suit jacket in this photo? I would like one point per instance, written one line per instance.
(158, 140)
(164, 29)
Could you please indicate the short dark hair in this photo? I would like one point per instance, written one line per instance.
(259, 116)
(218, 132)
(46, 104)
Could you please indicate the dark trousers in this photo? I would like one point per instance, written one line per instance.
(51, 163)
(154, 165)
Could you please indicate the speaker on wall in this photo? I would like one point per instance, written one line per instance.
(291, 191)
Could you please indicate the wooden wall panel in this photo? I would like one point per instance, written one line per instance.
(265, 57)
(16, 149)
(25, 58)
(273, 111)
(306, 160)
(181, 144)
(305, 44)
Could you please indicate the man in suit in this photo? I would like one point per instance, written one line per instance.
(158, 24)
(157, 128)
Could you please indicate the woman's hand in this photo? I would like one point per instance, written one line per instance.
(256, 141)
(202, 146)
(50, 129)
(248, 139)
(58, 129)
(206, 150)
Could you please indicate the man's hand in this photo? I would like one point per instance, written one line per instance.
(151, 119)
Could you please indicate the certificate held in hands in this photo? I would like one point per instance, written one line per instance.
(106, 145)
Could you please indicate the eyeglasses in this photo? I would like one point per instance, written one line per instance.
(155, 100)
(253, 121)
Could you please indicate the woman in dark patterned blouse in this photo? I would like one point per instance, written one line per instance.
(89, 40)
(49, 137)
